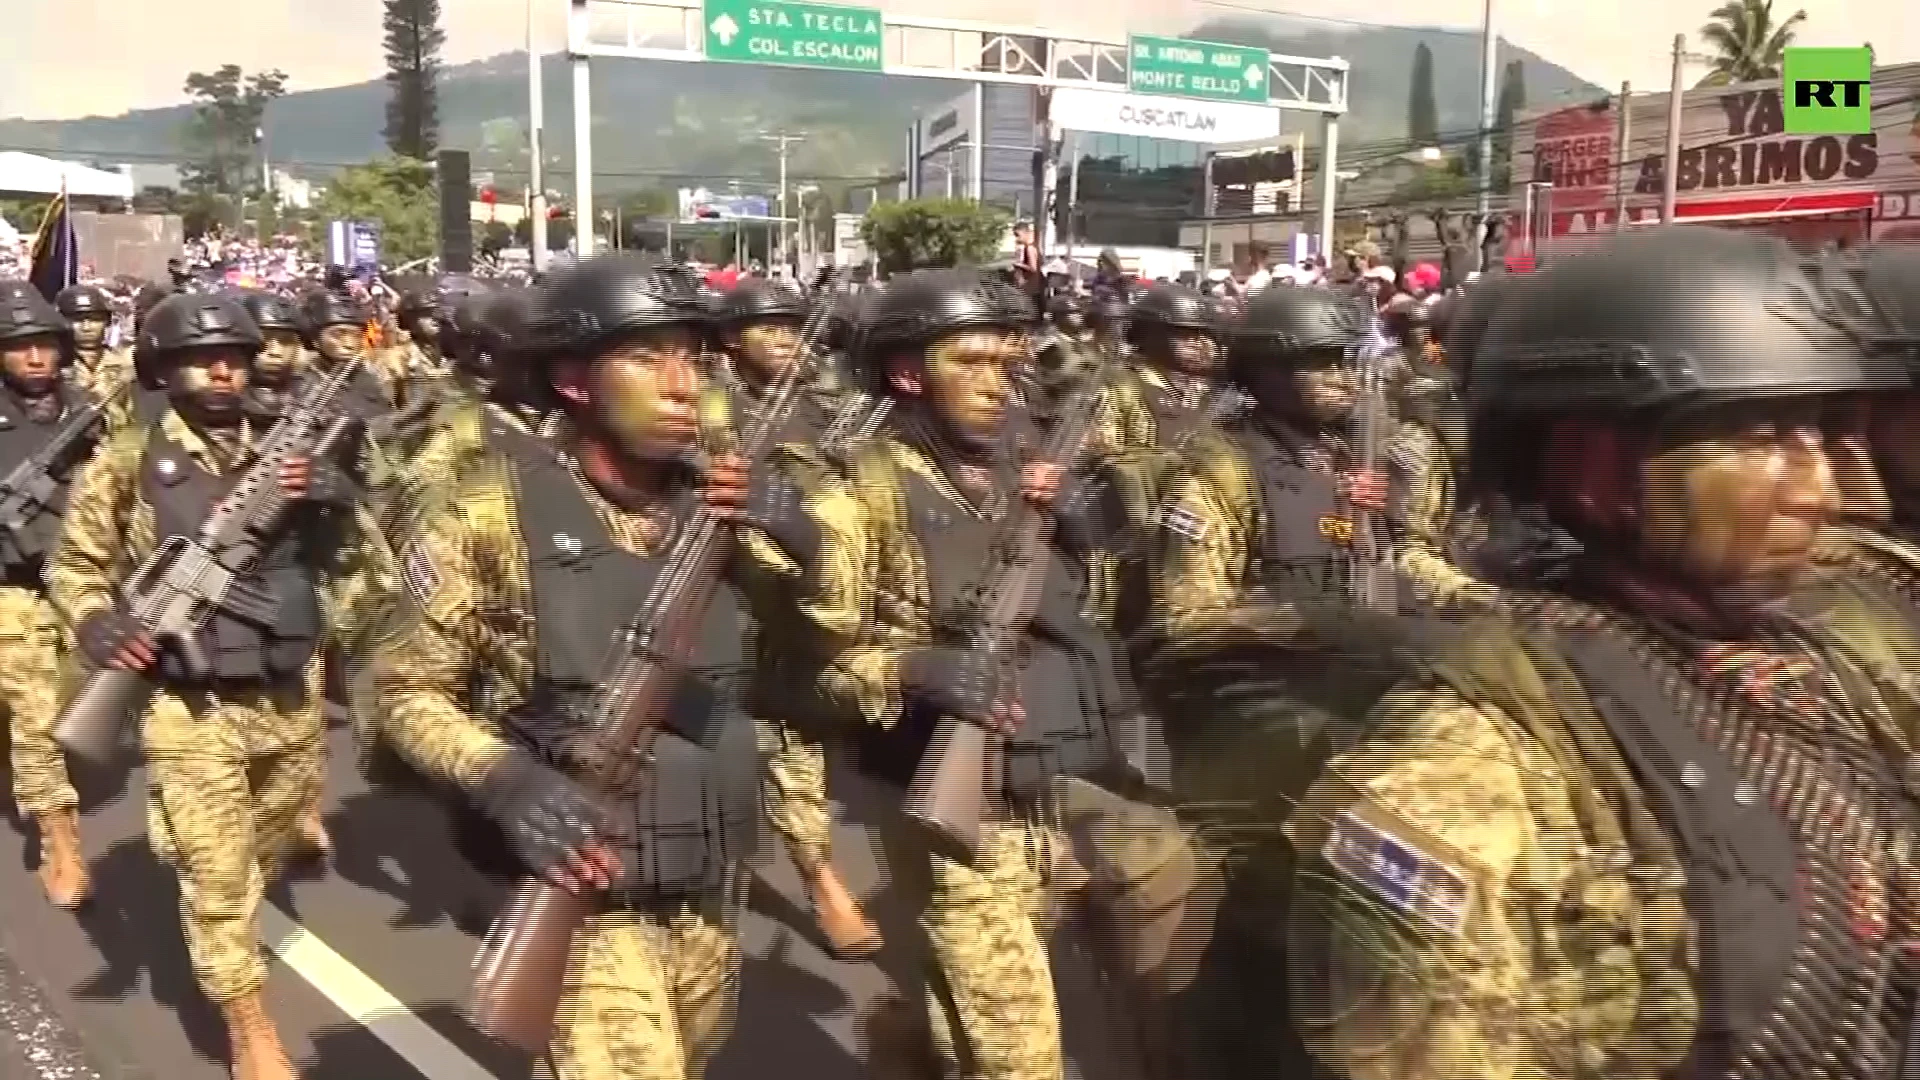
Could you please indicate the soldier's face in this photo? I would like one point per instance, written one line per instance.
(967, 379)
(643, 393)
(31, 363)
(1734, 497)
(1321, 388)
(1193, 352)
(768, 347)
(89, 333)
(426, 328)
(1894, 431)
(280, 359)
(341, 343)
(208, 382)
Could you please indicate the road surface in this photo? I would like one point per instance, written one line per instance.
(371, 957)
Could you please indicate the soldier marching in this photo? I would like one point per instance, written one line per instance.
(1513, 686)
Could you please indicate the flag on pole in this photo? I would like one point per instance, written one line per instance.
(55, 259)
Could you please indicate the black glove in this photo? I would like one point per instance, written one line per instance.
(962, 683)
(1088, 513)
(546, 817)
(104, 633)
(776, 505)
(330, 485)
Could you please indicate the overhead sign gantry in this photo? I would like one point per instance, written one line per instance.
(846, 38)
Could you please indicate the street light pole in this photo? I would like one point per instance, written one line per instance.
(536, 163)
(1489, 80)
(783, 140)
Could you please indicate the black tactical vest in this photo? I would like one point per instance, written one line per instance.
(1079, 719)
(1299, 552)
(20, 438)
(280, 638)
(1788, 986)
(696, 811)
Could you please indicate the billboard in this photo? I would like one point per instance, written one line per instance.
(137, 244)
(1181, 119)
(1737, 160)
(699, 204)
(354, 244)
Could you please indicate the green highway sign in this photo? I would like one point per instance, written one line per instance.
(1195, 69)
(793, 35)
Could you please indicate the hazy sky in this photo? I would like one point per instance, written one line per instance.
(61, 58)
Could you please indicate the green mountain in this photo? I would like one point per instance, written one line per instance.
(664, 124)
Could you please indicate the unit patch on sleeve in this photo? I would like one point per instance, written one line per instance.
(422, 576)
(1183, 522)
(1398, 874)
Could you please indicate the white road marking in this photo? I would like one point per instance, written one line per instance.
(364, 1001)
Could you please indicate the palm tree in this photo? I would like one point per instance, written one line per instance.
(1746, 43)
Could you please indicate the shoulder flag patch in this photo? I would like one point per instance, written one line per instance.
(1398, 874)
(1184, 522)
(421, 575)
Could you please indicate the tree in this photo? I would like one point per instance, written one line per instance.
(1513, 99)
(1423, 115)
(399, 194)
(413, 42)
(1436, 184)
(921, 233)
(1746, 43)
(225, 130)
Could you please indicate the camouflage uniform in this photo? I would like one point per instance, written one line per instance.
(1637, 835)
(891, 576)
(31, 636)
(669, 962)
(99, 369)
(230, 771)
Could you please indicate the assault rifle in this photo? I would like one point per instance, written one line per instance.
(960, 765)
(1371, 561)
(520, 972)
(177, 591)
(30, 490)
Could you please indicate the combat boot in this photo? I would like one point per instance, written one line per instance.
(63, 867)
(313, 838)
(253, 1042)
(851, 936)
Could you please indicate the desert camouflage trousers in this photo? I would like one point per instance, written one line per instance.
(30, 656)
(989, 987)
(651, 995)
(794, 790)
(229, 777)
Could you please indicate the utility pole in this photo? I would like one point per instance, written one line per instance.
(782, 140)
(1676, 98)
(1489, 80)
(536, 163)
(1625, 157)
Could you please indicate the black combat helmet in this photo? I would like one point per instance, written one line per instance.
(271, 311)
(198, 320)
(596, 302)
(324, 307)
(24, 313)
(918, 307)
(756, 299)
(1067, 312)
(146, 298)
(1283, 322)
(78, 302)
(1890, 277)
(465, 321)
(1673, 319)
(1667, 319)
(1173, 306)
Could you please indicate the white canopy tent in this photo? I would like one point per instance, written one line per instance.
(33, 174)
